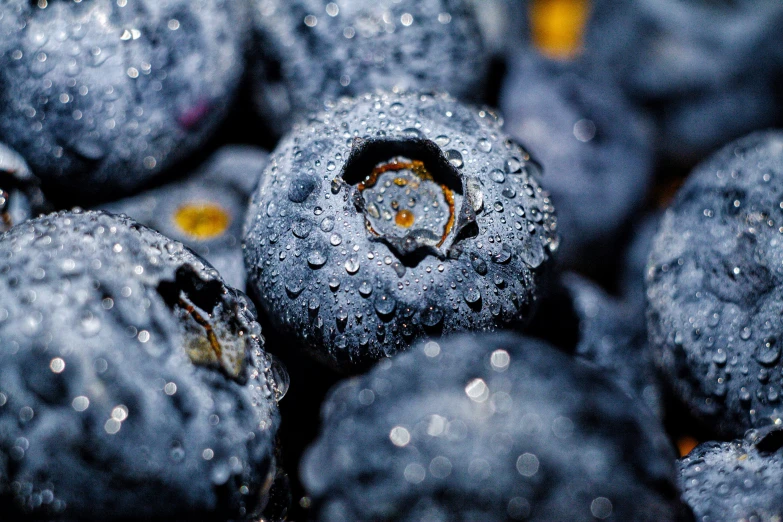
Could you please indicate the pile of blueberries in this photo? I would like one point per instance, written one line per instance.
(512, 258)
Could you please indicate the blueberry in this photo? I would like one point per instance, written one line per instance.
(419, 217)
(708, 68)
(101, 96)
(595, 147)
(488, 427)
(20, 192)
(714, 291)
(133, 382)
(613, 336)
(739, 480)
(313, 50)
(206, 210)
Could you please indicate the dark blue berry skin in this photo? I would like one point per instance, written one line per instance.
(488, 427)
(738, 480)
(225, 183)
(20, 192)
(713, 287)
(613, 336)
(114, 401)
(354, 288)
(101, 96)
(596, 149)
(709, 69)
(314, 50)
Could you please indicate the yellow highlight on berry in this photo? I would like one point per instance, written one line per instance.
(202, 220)
(558, 26)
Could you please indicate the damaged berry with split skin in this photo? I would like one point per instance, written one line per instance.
(133, 381)
(392, 216)
(488, 427)
(714, 287)
(101, 96)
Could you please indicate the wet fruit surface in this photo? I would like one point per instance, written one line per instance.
(101, 96)
(406, 215)
(132, 379)
(713, 287)
(488, 427)
(737, 480)
(206, 210)
(313, 50)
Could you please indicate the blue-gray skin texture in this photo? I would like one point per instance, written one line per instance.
(227, 180)
(20, 192)
(352, 297)
(714, 287)
(613, 336)
(708, 68)
(596, 148)
(312, 51)
(738, 480)
(100, 96)
(488, 427)
(102, 413)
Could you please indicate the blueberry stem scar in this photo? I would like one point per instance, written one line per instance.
(405, 218)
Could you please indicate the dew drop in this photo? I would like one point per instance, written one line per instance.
(455, 158)
(352, 265)
(316, 259)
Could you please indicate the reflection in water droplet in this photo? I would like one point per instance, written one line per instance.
(455, 158)
(316, 259)
(352, 265)
(384, 305)
(280, 377)
(365, 289)
(472, 295)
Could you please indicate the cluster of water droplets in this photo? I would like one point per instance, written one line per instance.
(106, 94)
(714, 286)
(466, 428)
(322, 274)
(326, 49)
(91, 336)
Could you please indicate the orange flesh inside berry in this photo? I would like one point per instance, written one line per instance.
(201, 220)
(558, 26)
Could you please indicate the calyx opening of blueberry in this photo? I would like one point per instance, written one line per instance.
(412, 198)
(211, 333)
(202, 220)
